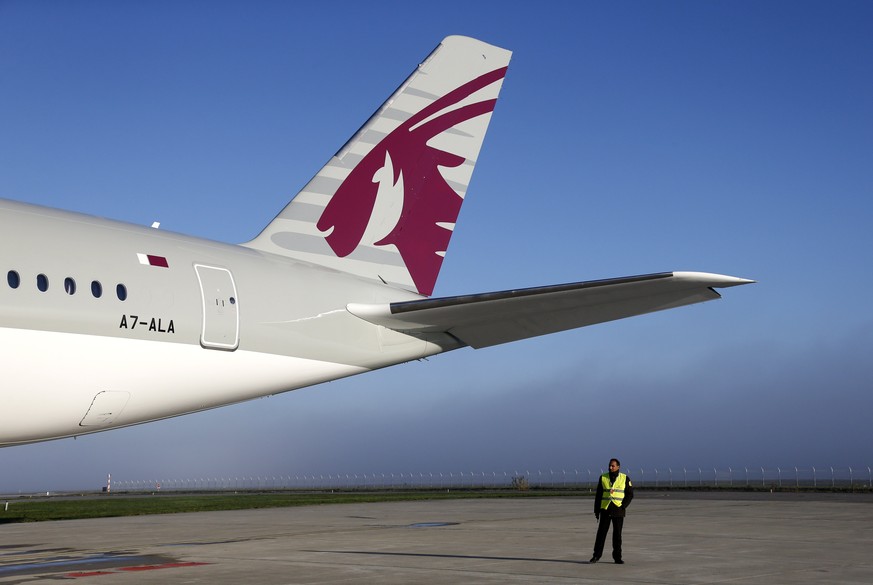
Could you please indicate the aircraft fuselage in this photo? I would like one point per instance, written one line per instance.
(165, 323)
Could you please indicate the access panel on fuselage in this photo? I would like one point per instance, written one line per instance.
(220, 308)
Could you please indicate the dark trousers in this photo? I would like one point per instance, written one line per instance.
(602, 529)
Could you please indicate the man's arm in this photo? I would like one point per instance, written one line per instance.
(628, 493)
(598, 496)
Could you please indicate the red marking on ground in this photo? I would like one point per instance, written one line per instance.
(162, 566)
(79, 574)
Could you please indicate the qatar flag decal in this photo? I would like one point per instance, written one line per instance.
(152, 260)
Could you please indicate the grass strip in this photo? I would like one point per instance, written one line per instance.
(108, 506)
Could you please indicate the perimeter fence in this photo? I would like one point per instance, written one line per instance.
(808, 478)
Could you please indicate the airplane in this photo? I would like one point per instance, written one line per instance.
(105, 324)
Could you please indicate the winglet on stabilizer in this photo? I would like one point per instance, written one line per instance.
(486, 319)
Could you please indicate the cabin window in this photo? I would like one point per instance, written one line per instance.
(13, 279)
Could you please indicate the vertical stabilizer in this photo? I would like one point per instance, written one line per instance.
(384, 207)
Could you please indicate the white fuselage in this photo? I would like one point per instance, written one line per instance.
(203, 325)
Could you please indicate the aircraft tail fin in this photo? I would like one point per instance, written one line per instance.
(384, 206)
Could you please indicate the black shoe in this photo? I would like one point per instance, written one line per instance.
(619, 562)
(593, 560)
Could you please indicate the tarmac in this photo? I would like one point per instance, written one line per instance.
(669, 537)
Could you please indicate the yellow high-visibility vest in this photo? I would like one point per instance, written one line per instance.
(612, 492)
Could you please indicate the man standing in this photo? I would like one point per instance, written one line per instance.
(614, 495)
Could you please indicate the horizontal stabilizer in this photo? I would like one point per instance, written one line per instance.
(482, 320)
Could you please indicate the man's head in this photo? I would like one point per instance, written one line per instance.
(614, 465)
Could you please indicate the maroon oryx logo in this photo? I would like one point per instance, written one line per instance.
(427, 198)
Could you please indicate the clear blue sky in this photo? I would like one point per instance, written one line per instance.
(630, 137)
